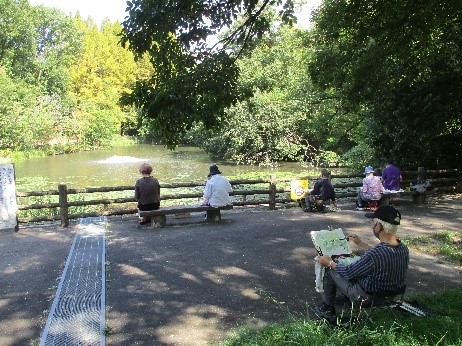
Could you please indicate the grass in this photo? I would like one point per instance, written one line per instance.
(387, 327)
(447, 244)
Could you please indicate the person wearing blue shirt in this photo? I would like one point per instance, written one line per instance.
(379, 272)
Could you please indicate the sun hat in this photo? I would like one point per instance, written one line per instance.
(369, 169)
(387, 214)
(213, 170)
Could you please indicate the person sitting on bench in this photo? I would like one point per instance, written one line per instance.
(322, 193)
(147, 192)
(371, 190)
(217, 189)
(380, 272)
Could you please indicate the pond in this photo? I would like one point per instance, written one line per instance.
(119, 166)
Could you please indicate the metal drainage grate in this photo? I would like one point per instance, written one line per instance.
(77, 316)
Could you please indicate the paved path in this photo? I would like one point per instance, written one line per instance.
(192, 283)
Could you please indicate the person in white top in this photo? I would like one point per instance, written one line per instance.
(217, 189)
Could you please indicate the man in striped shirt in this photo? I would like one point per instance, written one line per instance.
(380, 271)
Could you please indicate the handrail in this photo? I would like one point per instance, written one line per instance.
(276, 192)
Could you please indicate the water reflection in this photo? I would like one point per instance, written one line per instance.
(119, 166)
(121, 159)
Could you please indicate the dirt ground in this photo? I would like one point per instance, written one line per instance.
(193, 283)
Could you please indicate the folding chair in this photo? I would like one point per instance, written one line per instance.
(391, 300)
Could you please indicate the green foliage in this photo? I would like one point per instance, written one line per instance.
(283, 118)
(359, 157)
(61, 80)
(98, 125)
(16, 37)
(258, 131)
(446, 244)
(38, 44)
(397, 63)
(171, 107)
(24, 117)
(193, 83)
(327, 159)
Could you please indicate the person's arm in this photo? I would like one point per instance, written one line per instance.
(382, 188)
(207, 193)
(383, 177)
(327, 262)
(358, 242)
(332, 195)
(316, 188)
(364, 187)
(137, 192)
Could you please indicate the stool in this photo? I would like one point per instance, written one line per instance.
(372, 205)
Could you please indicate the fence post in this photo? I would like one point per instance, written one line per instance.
(272, 192)
(62, 188)
(459, 180)
(421, 173)
(419, 198)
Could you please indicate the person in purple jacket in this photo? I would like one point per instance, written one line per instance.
(379, 272)
(391, 177)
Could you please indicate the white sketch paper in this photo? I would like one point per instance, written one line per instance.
(331, 242)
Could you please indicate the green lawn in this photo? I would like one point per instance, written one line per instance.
(441, 326)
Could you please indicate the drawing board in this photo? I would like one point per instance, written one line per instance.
(331, 242)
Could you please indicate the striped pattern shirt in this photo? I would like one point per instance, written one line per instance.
(381, 268)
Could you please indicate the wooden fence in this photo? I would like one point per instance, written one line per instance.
(63, 204)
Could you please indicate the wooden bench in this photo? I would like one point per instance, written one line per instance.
(158, 218)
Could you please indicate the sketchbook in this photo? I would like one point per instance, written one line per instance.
(331, 242)
(335, 244)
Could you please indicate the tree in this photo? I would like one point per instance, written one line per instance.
(37, 44)
(284, 117)
(26, 117)
(397, 63)
(103, 72)
(57, 43)
(17, 47)
(193, 83)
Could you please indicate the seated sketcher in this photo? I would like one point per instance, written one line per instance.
(315, 203)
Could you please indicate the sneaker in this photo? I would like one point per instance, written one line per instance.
(360, 208)
(327, 312)
(342, 299)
